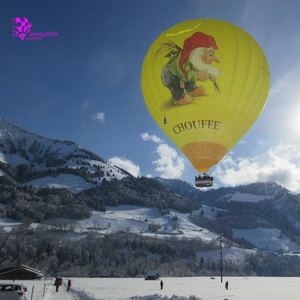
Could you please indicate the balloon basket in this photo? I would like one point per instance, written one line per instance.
(203, 180)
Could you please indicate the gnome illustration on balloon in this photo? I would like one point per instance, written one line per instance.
(188, 65)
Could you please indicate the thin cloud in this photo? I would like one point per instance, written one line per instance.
(151, 137)
(169, 164)
(287, 83)
(84, 105)
(258, 24)
(280, 164)
(125, 164)
(99, 117)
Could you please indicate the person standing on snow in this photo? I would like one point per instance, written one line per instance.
(69, 285)
(161, 284)
(57, 283)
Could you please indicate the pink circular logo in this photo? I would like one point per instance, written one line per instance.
(22, 27)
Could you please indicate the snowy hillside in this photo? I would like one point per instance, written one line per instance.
(71, 182)
(246, 197)
(21, 146)
(38, 161)
(267, 238)
(208, 211)
(140, 220)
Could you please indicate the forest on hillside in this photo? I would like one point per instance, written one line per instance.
(129, 255)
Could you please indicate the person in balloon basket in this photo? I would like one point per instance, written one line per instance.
(188, 65)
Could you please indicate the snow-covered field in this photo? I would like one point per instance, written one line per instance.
(137, 219)
(204, 288)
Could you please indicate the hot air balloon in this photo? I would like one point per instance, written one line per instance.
(205, 82)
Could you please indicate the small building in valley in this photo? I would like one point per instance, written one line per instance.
(152, 276)
(20, 272)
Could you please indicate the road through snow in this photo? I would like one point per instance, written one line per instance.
(62, 294)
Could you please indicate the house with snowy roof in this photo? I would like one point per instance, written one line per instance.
(20, 272)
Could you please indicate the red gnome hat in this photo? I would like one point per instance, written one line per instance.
(197, 40)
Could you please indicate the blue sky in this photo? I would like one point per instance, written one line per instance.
(84, 85)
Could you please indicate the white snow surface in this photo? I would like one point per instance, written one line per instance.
(245, 197)
(72, 182)
(267, 238)
(137, 219)
(204, 288)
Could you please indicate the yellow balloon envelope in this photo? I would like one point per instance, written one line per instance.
(205, 82)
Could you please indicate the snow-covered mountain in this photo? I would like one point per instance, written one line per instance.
(57, 185)
(266, 215)
(42, 178)
(43, 162)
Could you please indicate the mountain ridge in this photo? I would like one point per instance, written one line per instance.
(26, 156)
